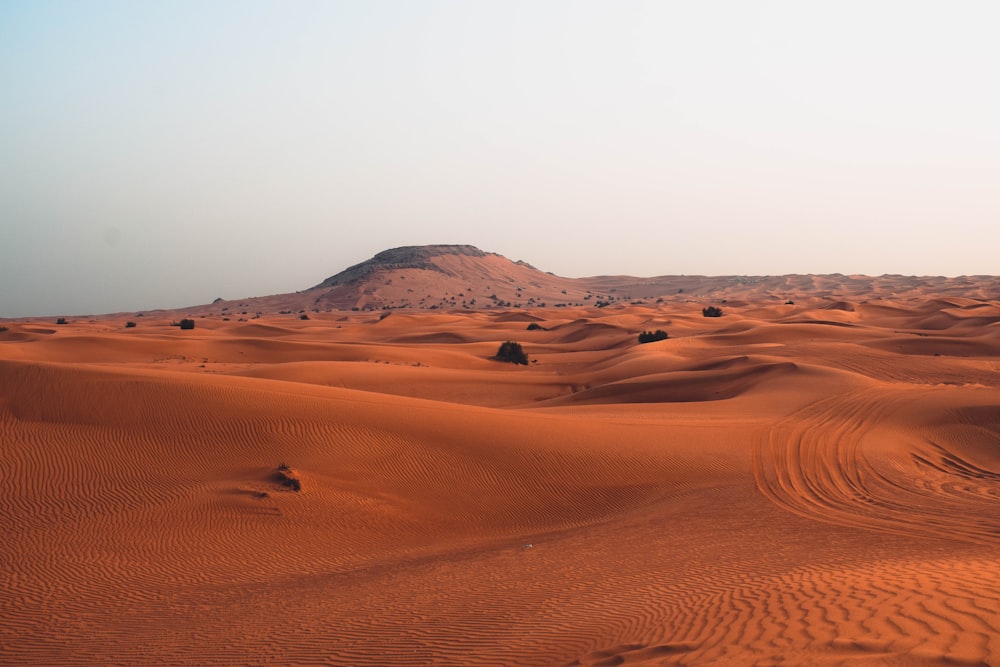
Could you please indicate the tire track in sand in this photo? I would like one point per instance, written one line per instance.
(849, 460)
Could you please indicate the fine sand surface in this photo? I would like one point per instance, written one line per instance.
(814, 483)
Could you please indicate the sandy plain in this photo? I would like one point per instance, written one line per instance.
(815, 483)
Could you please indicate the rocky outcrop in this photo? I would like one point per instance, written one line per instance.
(406, 257)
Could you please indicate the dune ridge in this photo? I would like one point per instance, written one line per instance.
(807, 483)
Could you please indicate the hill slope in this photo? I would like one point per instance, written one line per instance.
(441, 276)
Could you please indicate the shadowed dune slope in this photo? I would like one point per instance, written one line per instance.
(811, 483)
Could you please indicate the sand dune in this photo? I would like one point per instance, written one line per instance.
(808, 483)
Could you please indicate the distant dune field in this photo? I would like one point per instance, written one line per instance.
(808, 483)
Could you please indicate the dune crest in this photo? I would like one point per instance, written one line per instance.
(790, 483)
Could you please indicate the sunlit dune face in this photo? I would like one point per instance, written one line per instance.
(811, 482)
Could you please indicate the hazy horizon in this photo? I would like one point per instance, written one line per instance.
(163, 155)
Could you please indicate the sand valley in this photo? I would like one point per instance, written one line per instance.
(344, 476)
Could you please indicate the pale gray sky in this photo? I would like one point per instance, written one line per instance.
(164, 154)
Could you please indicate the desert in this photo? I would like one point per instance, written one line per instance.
(347, 476)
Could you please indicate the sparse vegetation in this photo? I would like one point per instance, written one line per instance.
(651, 336)
(711, 311)
(61, 320)
(286, 477)
(130, 325)
(303, 316)
(511, 352)
(187, 324)
(2, 329)
(535, 326)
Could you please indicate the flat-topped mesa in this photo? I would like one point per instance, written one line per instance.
(449, 276)
(406, 257)
(442, 276)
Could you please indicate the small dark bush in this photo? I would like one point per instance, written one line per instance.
(511, 352)
(651, 336)
(2, 329)
(286, 477)
(61, 320)
(789, 303)
(711, 311)
(303, 316)
(535, 326)
(130, 325)
(187, 324)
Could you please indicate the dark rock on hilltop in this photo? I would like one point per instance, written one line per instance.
(406, 257)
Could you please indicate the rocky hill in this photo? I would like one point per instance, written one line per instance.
(407, 257)
(435, 277)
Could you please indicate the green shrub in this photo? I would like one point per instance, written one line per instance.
(511, 352)
(651, 336)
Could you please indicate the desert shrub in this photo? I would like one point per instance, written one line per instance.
(286, 477)
(2, 329)
(61, 320)
(711, 311)
(511, 352)
(535, 326)
(187, 324)
(651, 336)
(789, 303)
(303, 316)
(130, 325)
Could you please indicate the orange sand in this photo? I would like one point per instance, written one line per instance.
(788, 484)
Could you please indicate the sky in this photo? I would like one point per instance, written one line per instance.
(163, 154)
